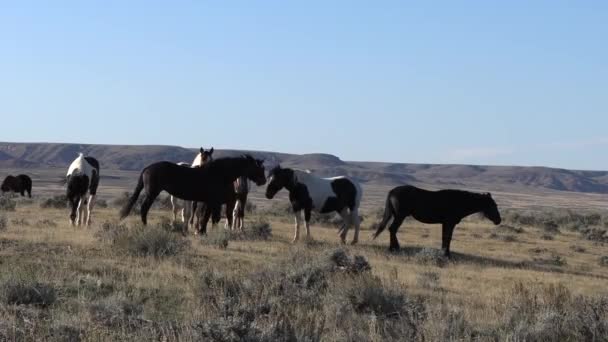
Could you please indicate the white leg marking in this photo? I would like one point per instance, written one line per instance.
(90, 206)
(296, 234)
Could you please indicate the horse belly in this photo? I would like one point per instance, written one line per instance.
(428, 218)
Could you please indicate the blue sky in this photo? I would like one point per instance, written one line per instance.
(481, 82)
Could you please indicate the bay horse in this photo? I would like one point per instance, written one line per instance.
(20, 184)
(323, 195)
(447, 207)
(82, 181)
(203, 184)
(178, 205)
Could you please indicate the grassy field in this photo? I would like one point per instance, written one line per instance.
(538, 277)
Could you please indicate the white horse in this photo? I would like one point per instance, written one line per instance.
(82, 181)
(323, 195)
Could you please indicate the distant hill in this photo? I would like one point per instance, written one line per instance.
(135, 157)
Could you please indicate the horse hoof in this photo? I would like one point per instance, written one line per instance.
(354, 242)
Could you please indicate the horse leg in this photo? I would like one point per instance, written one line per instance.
(235, 216)
(90, 206)
(446, 237)
(191, 217)
(145, 206)
(296, 234)
(74, 205)
(307, 222)
(174, 208)
(80, 218)
(205, 220)
(393, 228)
(216, 215)
(345, 223)
(354, 216)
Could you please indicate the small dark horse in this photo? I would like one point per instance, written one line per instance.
(205, 184)
(447, 207)
(20, 184)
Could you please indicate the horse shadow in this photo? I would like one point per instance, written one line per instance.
(410, 252)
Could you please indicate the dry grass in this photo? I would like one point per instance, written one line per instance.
(265, 288)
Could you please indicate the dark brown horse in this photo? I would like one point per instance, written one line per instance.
(447, 207)
(205, 184)
(20, 184)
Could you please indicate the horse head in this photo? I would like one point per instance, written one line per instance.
(278, 179)
(255, 170)
(203, 157)
(490, 209)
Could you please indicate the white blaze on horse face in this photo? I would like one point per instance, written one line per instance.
(198, 160)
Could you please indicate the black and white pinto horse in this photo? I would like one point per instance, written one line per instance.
(324, 195)
(203, 184)
(447, 207)
(182, 206)
(20, 184)
(82, 181)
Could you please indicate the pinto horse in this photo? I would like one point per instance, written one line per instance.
(178, 205)
(324, 195)
(82, 179)
(20, 184)
(203, 184)
(447, 207)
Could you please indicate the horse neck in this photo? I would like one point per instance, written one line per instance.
(229, 170)
(473, 205)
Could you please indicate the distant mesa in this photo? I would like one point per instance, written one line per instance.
(136, 157)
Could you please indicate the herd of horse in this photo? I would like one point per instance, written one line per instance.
(200, 189)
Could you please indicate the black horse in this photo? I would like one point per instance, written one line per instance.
(205, 184)
(447, 207)
(20, 184)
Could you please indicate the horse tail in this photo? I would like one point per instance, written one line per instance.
(388, 214)
(124, 212)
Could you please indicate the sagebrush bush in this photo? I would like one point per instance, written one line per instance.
(431, 256)
(256, 230)
(20, 222)
(552, 313)
(46, 223)
(142, 240)
(428, 280)
(101, 203)
(27, 292)
(55, 202)
(3, 222)
(509, 228)
(7, 204)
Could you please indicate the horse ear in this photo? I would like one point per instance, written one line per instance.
(211, 150)
(201, 150)
(489, 194)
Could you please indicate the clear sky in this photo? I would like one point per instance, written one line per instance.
(481, 82)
